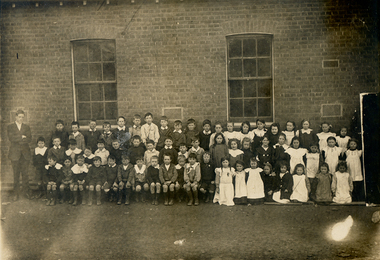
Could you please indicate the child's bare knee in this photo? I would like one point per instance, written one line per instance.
(91, 188)
(138, 188)
(98, 187)
(171, 187)
(146, 187)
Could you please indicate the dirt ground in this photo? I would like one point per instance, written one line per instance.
(31, 230)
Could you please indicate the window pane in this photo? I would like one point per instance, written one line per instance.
(250, 88)
(83, 92)
(263, 47)
(249, 48)
(250, 68)
(108, 71)
(110, 92)
(95, 72)
(235, 68)
(111, 110)
(264, 88)
(236, 107)
(84, 112)
(80, 52)
(97, 93)
(264, 67)
(108, 50)
(234, 49)
(265, 107)
(250, 108)
(236, 89)
(81, 72)
(94, 52)
(98, 110)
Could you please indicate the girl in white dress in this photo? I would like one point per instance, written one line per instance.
(255, 184)
(342, 184)
(240, 184)
(224, 188)
(354, 168)
(296, 153)
(326, 127)
(245, 131)
(313, 160)
(301, 185)
(290, 131)
(342, 139)
(331, 154)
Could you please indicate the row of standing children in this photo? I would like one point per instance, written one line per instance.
(266, 146)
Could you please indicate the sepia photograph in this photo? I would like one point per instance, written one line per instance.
(190, 129)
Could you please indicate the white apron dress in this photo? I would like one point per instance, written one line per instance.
(240, 185)
(300, 191)
(226, 188)
(255, 185)
(342, 187)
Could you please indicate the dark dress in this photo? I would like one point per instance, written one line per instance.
(285, 185)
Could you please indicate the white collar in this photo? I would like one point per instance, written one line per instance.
(188, 165)
(178, 167)
(77, 169)
(285, 146)
(207, 133)
(168, 147)
(178, 131)
(89, 157)
(308, 131)
(101, 151)
(156, 167)
(92, 130)
(195, 150)
(121, 128)
(235, 152)
(57, 166)
(135, 127)
(75, 151)
(164, 128)
(265, 148)
(55, 147)
(18, 125)
(140, 171)
(113, 166)
(41, 151)
(108, 133)
(153, 151)
(76, 134)
(167, 166)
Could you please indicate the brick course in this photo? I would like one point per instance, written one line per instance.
(176, 52)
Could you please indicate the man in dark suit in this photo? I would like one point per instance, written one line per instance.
(19, 153)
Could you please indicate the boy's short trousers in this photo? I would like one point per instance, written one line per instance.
(206, 185)
(95, 183)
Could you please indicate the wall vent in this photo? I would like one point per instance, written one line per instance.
(331, 110)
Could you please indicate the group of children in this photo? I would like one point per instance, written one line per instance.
(249, 166)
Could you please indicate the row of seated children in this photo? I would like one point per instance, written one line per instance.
(119, 181)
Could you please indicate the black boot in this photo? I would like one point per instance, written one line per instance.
(196, 201)
(166, 197)
(190, 195)
(75, 195)
(171, 198)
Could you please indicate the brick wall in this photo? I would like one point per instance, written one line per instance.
(173, 54)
